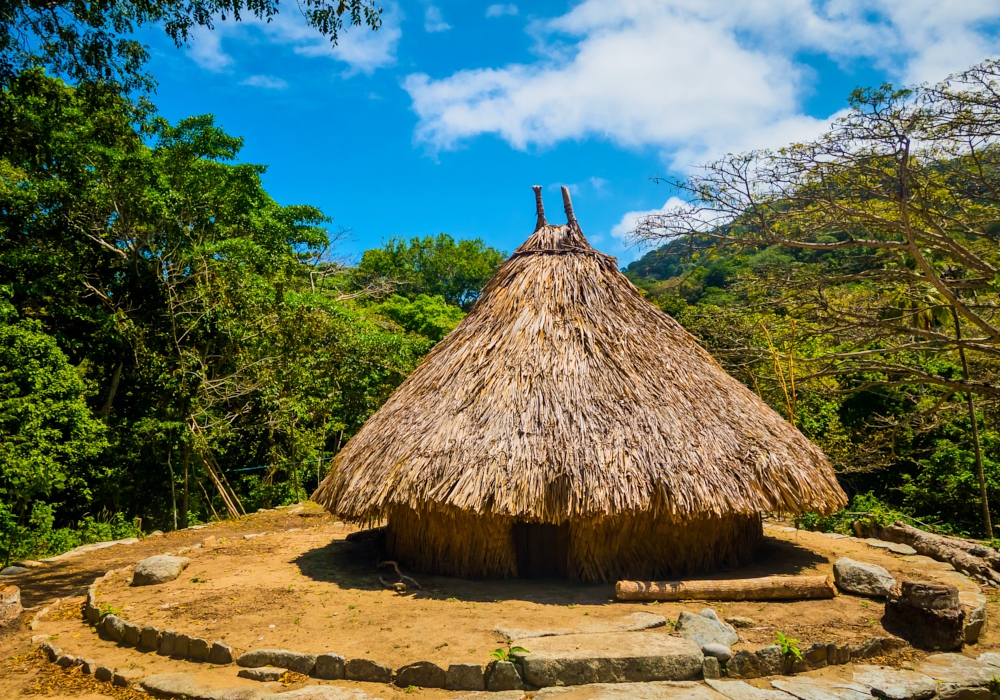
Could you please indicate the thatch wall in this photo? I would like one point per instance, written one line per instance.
(453, 542)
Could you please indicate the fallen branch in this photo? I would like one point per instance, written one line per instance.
(950, 549)
(766, 588)
(402, 578)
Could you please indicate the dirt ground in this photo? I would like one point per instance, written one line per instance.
(303, 587)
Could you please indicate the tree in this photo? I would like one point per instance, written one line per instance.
(441, 266)
(893, 216)
(92, 41)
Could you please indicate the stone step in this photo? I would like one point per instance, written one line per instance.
(663, 690)
(619, 657)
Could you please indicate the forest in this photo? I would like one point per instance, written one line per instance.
(176, 346)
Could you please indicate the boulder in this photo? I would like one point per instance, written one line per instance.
(149, 638)
(366, 670)
(718, 651)
(161, 568)
(771, 661)
(220, 654)
(502, 675)
(710, 668)
(744, 664)
(329, 667)
(292, 660)
(861, 578)
(114, 628)
(896, 684)
(927, 615)
(422, 674)
(619, 657)
(10, 604)
(465, 677)
(705, 628)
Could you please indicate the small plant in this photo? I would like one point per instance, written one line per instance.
(109, 609)
(994, 686)
(196, 579)
(502, 655)
(864, 603)
(789, 646)
(411, 689)
(451, 600)
(571, 606)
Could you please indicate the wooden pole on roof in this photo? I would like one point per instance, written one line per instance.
(539, 207)
(568, 206)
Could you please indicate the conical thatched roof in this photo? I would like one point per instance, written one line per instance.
(565, 394)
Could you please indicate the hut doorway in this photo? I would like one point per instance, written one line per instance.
(542, 550)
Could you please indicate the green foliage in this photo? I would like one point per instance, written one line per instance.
(430, 316)
(508, 654)
(789, 646)
(435, 266)
(39, 538)
(868, 508)
(93, 41)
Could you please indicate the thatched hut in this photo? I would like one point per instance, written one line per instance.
(568, 427)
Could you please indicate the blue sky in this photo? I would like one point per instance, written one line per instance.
(444, 118)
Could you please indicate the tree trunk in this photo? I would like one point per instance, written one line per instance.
(943, 549)
(767, 588)
(186, 501)
(109, 398)
(173, 488)
(980, 475)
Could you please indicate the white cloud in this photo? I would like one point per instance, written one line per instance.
(499, 10)
(265, 81)
(360, 48)
(434, 21)
(694, 78)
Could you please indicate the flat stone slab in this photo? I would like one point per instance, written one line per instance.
(185, 685)
(738, 690)
(896, 684)
(956, 670)
(834, 535)
(991, 657)
(900, 548)
(630, 623)
(262, 673)
(617, 657)
(705, 628)
(631, 691)
(498, 695)
(322, 692)
(806, 688)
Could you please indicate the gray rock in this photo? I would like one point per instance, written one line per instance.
(806, 688)
(861, 578)
(744, 664)
(155, 533)
(366, 670)
(161, 568)
(262, 673)
(67, 660)
(975, 621)
(502, 675)
(89, 666)
(104, 674)
(13, 570)
(168, 641)
(292, 660)
(220, 654)
(10, 605)
(133, 633)
(814, 656)
(900, 548)
(704, 629)
(329, 667)
(126, 677)
(842, 655)
(866, 649)
(616, 657)
(741, 622)
(895, 684)
(771, 661)
(465, 677)
(422, 674)
(321, 692)
(52, 652)
(738, 690)
(710, 668)
(719, 651)
(114, 628)
(182, 645)
(150, 638)
(198, 649)
(946, 693)
(991, 657)
(834, 535)
(631, 691)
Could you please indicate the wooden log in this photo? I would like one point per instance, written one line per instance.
(943, 549)
(766, 588)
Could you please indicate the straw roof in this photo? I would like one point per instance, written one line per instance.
(563, 395)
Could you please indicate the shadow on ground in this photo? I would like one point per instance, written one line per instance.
(353, 565)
